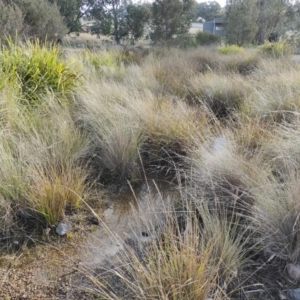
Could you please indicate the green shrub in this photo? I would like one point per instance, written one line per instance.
(36, 69)
(105, 63)
(101, 59)
(205, 38)
(276, 49)
(183, 41)
(230, 49)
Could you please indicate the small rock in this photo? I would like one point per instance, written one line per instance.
(282, 296)
(294, 272)
(294, 294)
(63, 228)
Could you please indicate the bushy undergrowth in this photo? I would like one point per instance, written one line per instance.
(36, 69)
(230, 49)
(276, 49)
(183, 41)
(205, 38)
(225, 128)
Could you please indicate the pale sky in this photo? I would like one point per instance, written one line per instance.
(222, 2)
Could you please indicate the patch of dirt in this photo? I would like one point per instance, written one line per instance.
(66, 267)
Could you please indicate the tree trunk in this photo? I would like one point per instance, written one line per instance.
(260, 36)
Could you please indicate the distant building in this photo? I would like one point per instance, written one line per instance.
(215, 26)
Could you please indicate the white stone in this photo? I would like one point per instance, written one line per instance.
(63, 228)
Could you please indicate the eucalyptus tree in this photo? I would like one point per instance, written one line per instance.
(253, 20)
(171, 17)
(137, 16)
(270, 14)
(31, 19)
(208, 10)
(240, 21)
(72, 11)
(109, 16)
(119, 19)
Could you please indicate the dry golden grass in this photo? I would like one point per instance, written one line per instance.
(193, 259)
(277, 218)
(227, 124)
(222, 94)
(51, 193)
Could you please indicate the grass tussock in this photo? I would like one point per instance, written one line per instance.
(52, 194)
(277, 97)
(204, 38)
(37, 69)
(226, 127)
(223, 95)
(277, 219)
(190, 268)
(194, 261)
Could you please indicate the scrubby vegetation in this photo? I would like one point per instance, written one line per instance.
(222, 123)
(277, 49)
(204, 38)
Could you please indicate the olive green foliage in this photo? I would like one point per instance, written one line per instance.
(107, 64)
(36, 69)
(71, 13)
(276, 49)
(103, 59)
(73, 10)
(206, 38)
(137, 17)
(230, 49)
(183, 41)
(11, 19)
(208, 10)
(240, 18)
(31, 19)
(171, 17)
(251, 21)
(272, 14)
(110, 17)
(42, 20)
(113, 18)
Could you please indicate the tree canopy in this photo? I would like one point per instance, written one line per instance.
(171, 17)
(31, 19)
(208, 10)
(253, 20)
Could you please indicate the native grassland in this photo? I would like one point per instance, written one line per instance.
(223, 122)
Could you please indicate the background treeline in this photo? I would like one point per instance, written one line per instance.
(252, 21)
(246, 21)
(55, 18)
